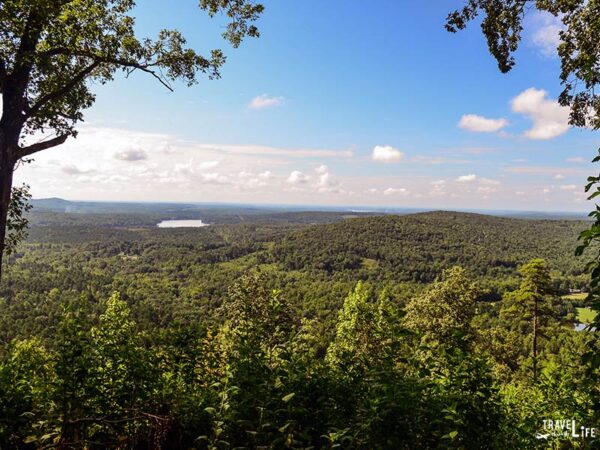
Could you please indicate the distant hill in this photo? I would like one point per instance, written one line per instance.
(60, 205)
(59, 212)
(52, 204)
(418, 247)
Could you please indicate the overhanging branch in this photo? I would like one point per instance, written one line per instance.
(43, 145)
(147, 66)
(62, 91)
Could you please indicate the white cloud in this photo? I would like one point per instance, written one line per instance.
(568, 187)
(386, 154)
(547, 35)
(486, 190)
(72, 169)
(480, 124)
(559, 176)
(275, 151)
(131, 154)
(321, 169)
(215, 178)
(467, 178)
(393, 191)
(207, 165)
(265, 101)
(192, 171)
(576, 160)
(297, 177)
(326, 183)
(549, 118)
(489, 182)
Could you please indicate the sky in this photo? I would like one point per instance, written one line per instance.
(341, 102)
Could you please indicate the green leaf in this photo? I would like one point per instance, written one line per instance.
(288, 397)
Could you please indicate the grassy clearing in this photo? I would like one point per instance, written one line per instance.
(585, 315)
(575, 297)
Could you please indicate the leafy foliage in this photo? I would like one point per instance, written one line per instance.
(502, 26)
(17, 221)
(390, 376)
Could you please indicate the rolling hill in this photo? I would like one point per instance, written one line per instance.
(418, 247)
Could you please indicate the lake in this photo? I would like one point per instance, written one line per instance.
(181, 224)
(581, 326)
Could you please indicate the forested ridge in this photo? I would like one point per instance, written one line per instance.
(389, 331)
(418, 247)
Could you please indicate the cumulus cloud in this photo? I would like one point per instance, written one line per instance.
(386, 154)
(131, 154)
(326, 182)
(321, 169)
(394, 191)
(207, 165)
(265, 101)
(480, 124)
(72, 169)
(467, 178)
(215, 178)
(547, 35)
(297, 177)
(549, 118)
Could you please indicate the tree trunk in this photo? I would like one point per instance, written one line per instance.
(6, 179)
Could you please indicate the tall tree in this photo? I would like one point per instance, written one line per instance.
(52, 50)
(442, 314)
(531, 302)
(579, 53)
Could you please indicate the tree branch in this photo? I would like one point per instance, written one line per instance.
(134, 65)
(43, 145)
(62, 91)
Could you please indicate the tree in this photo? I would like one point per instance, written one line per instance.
(442, 314)
(530, 301)
(502, 25)
(17, 222)
(578, 50)
(52, 50)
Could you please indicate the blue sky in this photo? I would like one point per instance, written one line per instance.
(338, 102)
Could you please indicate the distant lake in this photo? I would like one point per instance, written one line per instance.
(181, 224)
(581, 326)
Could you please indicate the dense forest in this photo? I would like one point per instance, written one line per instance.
(294, 330)
(281, 328)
